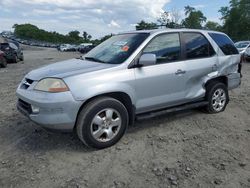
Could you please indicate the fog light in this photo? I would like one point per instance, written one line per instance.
(35, 110)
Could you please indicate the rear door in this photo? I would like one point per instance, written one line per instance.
(201, 60)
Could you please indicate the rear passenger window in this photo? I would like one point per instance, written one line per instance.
(197, 46)
(166, 47)
(225, 44)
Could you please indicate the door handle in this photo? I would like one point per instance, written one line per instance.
(179, 71)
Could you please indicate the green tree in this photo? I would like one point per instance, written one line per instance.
(87, 37)
(213, 26)
(164, 19)
(194, 18)
(29, 31)
(169, 19)
(74, 35)
(236, 18)
(145, 25)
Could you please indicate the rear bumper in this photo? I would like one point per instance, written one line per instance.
(234, 80)
(57, 111)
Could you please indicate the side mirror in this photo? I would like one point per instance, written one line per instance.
(147, 59)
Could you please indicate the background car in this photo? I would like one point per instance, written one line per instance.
(3, 62)
(85, 49)
(242, 46)
(247, 54)
(67, 48)
(12, 52)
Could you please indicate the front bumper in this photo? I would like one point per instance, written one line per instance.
(247, 56)
(56, 110)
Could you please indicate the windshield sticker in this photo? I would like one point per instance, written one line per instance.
(120, 43)
(125, 48)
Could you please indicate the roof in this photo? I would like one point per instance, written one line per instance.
(244, 41)
(169, 30)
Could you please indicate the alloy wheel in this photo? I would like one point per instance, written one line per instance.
(105, 125)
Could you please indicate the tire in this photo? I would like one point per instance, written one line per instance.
(217, 97)
(15, 60)
(21, 58)
(4, 63)
(102, 122)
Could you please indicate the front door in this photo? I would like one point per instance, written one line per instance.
(163, 84)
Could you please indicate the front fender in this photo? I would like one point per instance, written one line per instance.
(95, 90)
(88, 85)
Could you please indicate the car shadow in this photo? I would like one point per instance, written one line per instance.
(162, 120)
(42, 140)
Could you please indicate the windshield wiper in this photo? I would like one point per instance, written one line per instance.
(94, 59)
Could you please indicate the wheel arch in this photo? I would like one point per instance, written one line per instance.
(123, 97)
(222, 79)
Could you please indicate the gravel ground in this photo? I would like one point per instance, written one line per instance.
(184, 149)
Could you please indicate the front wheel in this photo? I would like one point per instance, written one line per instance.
(217, 97)
(15, 60)
(4, 63)
(102, 122)
(21, 58)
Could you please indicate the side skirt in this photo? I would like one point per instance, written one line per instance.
(169, 110)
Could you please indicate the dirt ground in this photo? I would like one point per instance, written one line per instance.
(184, 149)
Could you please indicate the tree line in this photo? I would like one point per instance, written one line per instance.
(235, 22)
(32, 32)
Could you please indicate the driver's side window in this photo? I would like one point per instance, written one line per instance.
(166, 47)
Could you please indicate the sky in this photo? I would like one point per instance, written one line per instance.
(97, 17)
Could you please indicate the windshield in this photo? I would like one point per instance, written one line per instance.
(242, 44)
(116, 49)
(3, 46)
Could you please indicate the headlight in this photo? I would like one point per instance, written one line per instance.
(53, 85)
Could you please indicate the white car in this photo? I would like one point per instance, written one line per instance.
(66, 47)
(242, 46)
(247, 54)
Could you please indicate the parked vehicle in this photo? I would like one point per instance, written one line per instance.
(131, 75)
(86, 49)
(247, 54)
(242, 46)
(3, 61)
(67, 48)
(12, 52)
(82, 45)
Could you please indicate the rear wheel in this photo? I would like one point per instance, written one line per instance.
(217, 97)
(102, 122)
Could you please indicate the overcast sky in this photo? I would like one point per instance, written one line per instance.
(97, 17)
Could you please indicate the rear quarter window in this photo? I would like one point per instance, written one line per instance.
(225, 44)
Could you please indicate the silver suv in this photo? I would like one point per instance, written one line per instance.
(131, 75)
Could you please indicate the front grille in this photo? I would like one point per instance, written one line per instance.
(24, 106)
(26, 83)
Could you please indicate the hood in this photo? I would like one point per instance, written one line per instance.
(66, 68)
